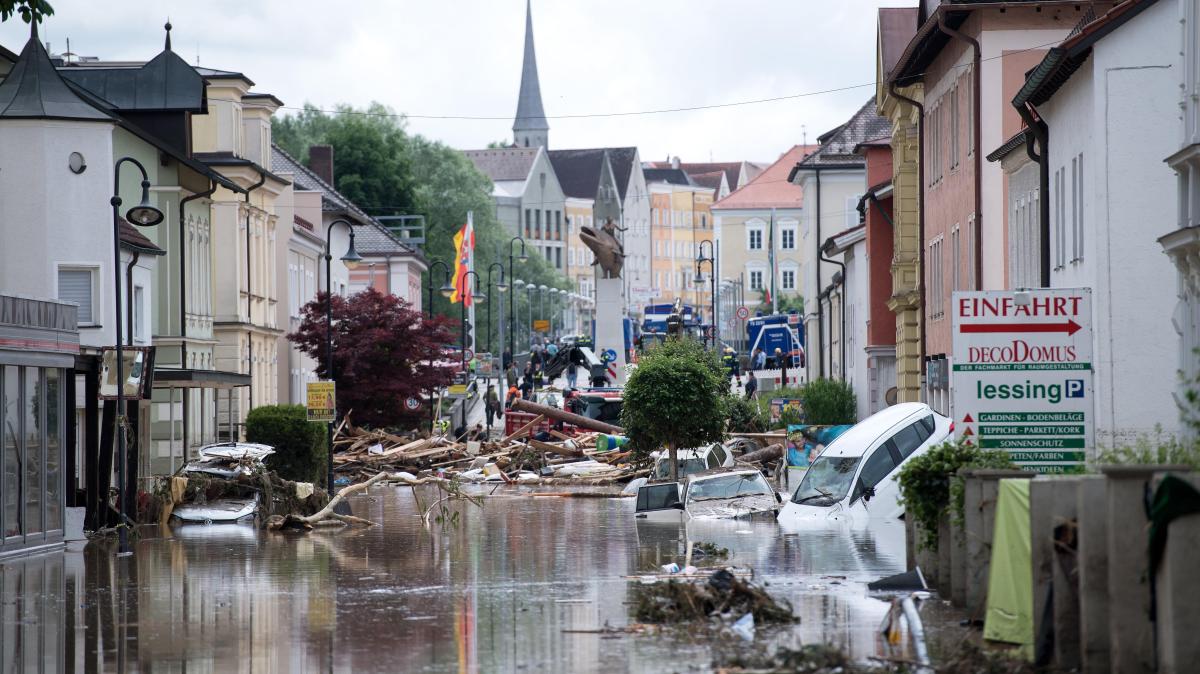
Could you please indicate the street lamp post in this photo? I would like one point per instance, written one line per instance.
(512, 299)
(446, 290)
(501, 286)
(530, 290)
(555, 309)
(144, 214)
(712, 273)
(477, 297)
(542, 289)
(351, 260)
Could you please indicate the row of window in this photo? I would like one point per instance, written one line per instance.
(787, 279)
(533, 224)
(1068, 214)
(664, 217)
(31, 491)
(960, 276)
(944, 129)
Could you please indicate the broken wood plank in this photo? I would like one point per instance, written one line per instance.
(556, 449)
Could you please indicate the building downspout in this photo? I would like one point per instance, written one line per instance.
(975, 74)
(133, 260)
(1040, 132)
(262, 178)
(183, 275)
(820, 307)
(920, 206)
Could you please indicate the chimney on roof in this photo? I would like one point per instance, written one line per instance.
(674, 162)
(320, 160)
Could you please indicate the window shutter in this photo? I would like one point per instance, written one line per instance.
(75, 285)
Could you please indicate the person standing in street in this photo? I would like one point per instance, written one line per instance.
(491, 405)
(572, 376)
(781, 363)
(751, 386)
(760, 359)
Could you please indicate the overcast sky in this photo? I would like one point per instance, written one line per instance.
(463, 58)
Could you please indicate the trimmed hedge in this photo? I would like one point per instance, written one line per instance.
(299, 444)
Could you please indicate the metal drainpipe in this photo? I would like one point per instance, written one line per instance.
(975, 131)
(212, 187)
(133, 260)
(820, 307)
(920, 207)
(1040, 132)
(262, 178)
(842, 337)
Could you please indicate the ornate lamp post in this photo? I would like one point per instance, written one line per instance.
(502, 287)
(144, 214)
(512, 299)
(446, 291)
(712, 275)
(351, 260)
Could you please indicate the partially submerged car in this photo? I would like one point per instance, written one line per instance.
(229, 461)
(691, 461)
(718, 493)
(855, 477)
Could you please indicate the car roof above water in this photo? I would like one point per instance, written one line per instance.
(859, 438)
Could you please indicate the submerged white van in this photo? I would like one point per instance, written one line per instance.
(855, 477)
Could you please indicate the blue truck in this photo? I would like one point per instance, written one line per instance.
(780, 331)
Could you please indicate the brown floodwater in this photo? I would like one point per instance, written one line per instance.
(516, 585)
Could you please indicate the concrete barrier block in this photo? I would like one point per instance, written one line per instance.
(1177, 588)
(1092, 518)
(979, 506)
(1041, 505)
(1130, 633)
(1065, 576)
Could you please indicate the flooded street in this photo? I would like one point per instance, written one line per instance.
(513, 586)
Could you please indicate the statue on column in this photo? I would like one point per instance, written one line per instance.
(603, 242)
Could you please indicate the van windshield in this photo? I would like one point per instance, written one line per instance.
(662, 469)
(826, 481)
(728, 486)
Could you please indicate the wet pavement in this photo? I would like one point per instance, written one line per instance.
(500, 590)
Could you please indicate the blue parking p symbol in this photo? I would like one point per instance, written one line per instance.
(1074, 388)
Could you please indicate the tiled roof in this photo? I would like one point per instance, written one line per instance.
(165, 82)
(837, 147)
(506, 163)
(771, 188)
(674, 176)
(897, 25)
(133, 238)
(578, 171)
(373, 239)
(305, 179)
(711, 180)
(732, 169)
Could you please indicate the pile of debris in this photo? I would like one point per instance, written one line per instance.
(724, 594)
(529, 455)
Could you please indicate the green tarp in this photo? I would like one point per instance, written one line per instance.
(1010, 579)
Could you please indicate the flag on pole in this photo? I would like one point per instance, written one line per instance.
(464, 250)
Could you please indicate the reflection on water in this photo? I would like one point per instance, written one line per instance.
(496, 593)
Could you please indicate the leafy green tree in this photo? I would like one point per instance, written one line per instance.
(678, 397)
(28, 9)
(418, 176)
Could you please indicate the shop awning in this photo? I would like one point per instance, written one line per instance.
(177, 378)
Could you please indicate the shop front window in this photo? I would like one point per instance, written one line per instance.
(12, 450)
(34, 490)
(54, 424)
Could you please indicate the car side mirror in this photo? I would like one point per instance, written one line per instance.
(868, 493)
(778, 498)
(677, 505)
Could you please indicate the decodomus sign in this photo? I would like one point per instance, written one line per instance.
(1023, 375)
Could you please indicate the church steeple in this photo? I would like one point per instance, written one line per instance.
(530, 128)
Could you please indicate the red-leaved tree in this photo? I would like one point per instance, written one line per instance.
(384, 352)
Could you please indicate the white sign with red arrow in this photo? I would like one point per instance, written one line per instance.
(1022, 374)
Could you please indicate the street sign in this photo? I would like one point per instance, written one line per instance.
(322, 401)
(608, 355)
(1022, 375)
(743, 313)
(412, 404)
(541, 325)
(456, 391)
(468, 354)
(732, 322)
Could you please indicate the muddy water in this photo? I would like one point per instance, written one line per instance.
(510, 587)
